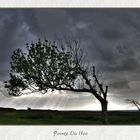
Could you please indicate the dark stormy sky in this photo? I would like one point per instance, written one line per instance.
(111, 38)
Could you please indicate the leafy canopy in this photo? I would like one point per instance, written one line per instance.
(44, 65)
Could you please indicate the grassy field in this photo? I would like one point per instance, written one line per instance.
(48, 117)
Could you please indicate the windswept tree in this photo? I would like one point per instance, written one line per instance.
(56, 66)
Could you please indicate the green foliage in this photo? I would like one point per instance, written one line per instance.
(44, 65)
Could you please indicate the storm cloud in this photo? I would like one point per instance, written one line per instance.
(110, 36)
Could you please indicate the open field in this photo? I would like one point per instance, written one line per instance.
(48, 117)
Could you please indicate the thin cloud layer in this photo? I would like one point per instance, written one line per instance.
(58, 101)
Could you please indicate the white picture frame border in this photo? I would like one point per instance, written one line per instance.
(70, 4)
(46, 132)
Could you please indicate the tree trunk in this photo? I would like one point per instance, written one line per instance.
(104, 112)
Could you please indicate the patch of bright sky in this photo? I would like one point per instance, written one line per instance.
(58, 101)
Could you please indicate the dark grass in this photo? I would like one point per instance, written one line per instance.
(48, 117)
